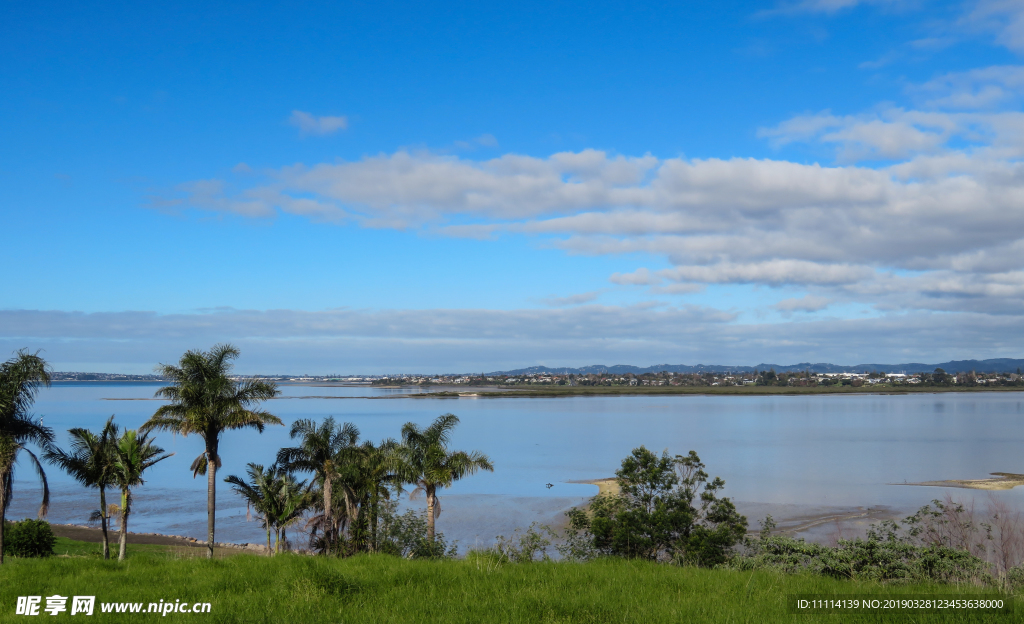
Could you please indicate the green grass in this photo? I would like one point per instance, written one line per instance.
(369, 589)
(74, 548)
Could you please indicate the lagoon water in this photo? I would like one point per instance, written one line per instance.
(790, 455)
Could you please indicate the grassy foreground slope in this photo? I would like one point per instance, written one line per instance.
(369, 589)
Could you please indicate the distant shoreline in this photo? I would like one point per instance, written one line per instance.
(577, 391)
(548, 392)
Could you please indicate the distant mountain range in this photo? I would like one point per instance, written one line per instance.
(1000, 365)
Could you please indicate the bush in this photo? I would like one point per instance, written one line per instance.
(887, 555)
(666, 510)
(521, 547)
(405, 535)
(29, 538)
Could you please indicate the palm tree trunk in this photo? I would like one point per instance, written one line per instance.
(6, 465)
(430, 513)
(374, 502)
(270, 551)
(3, 508)
(211, 499)
(124, 526)
(328, 519)
(277, 540)
(103, 522)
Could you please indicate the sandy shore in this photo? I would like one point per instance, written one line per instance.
(1000, 481)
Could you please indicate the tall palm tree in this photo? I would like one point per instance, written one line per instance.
(206, 402)
(20, 380)
(326, 450)
(91, 463)
(134, 453)
(434, 466)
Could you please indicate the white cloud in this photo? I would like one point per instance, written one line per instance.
(774, 272)
(1004, 18)
(640, 277)
(307, 123)
(939, 226)
(807, 303)
(571, 300)
(835, 6)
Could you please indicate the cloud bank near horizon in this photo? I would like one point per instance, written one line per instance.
(381, 341)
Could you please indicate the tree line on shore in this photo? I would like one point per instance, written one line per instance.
(350, 482)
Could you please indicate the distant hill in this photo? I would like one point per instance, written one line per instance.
(999, 365)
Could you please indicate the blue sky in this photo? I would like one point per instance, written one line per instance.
(342, 187)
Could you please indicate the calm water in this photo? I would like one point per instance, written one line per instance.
(807, 451)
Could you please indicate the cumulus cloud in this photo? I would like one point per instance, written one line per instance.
(307, 123)
(923, 212)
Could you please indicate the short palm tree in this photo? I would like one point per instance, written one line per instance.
(383, 468)
(205, 401)
(276, 497)
(134, 453)
(434, 466)
(20, 380)
(293, 499)
(327, 451)
(91, 462)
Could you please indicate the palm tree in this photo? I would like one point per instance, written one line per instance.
(434, 466)
(20, 380)
(382, 468)
(327, 451)
(90, 462)
(134, 453)
(278, 499)
(292, 500)
(257, 493)
(206, 402)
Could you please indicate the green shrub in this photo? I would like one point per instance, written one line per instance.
(521, 547)
(886, 556)
(667, 510)
(405, 535)
(29, 538)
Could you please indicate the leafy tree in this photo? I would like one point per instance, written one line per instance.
(134, 453)
(434, 466)
(666, 509)
(91, 463)
(328, 451)
(205, 401)
(20, 380)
